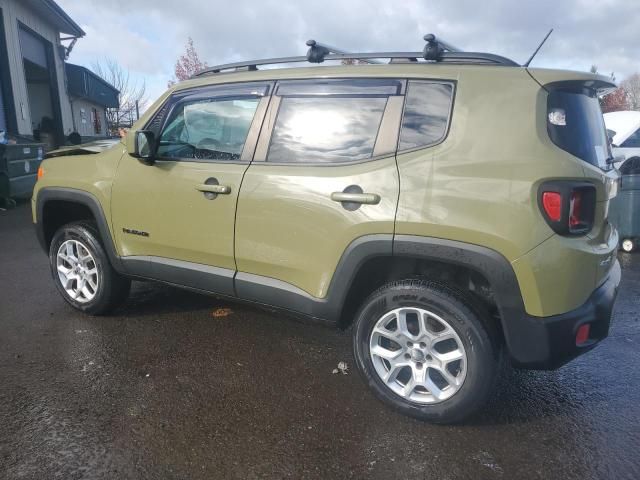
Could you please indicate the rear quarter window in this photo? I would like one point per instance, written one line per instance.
(426, 114)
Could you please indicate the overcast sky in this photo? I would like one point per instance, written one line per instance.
(148, 36)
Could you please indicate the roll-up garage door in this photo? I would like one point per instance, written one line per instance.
(3, 115)
(32, 48)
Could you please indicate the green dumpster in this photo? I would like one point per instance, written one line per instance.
(624, 210)
(19, 170)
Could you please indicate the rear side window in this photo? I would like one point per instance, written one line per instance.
(331, 129)
(426, 114)
(575, 124)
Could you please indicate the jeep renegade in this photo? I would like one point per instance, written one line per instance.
(449, 206)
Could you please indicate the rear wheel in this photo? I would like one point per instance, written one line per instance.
(82, 272)
(426, 350)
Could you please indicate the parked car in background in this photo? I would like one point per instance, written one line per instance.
(624, 131)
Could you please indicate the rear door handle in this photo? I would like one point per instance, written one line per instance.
(361, 198)
(217, 189)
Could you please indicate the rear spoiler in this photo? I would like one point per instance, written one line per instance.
(550, 79)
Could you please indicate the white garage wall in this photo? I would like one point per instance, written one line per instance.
(15, 11)
(86, 128)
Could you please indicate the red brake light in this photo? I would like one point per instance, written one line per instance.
(568, 206)
(552, 203)
(582, 336)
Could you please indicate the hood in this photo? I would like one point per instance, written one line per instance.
(85, 148)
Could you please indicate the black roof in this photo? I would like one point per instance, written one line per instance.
(85, 84)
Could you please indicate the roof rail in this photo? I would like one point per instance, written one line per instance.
(434, 51)
(321, 49)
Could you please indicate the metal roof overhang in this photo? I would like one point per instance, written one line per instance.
(56, 16)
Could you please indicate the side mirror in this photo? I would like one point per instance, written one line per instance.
(143, 146)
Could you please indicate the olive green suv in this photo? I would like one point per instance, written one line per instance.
(450, 207)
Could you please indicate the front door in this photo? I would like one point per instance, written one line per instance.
(174, 220)
(324, 174)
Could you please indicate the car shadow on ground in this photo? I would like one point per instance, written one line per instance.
(522, 396)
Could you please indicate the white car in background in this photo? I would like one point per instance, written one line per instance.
(624, 130)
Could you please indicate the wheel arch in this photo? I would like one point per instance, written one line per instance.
(373, 253)
(77, 205)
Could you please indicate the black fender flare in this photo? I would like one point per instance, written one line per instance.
(488, 263)
(81, 197)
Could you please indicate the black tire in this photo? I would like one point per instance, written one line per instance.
(473, 327)
(112, 288)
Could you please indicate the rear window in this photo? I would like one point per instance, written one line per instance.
(575, 124)
(633, 141)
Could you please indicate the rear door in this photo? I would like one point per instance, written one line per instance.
(324, 174)
(174, 220)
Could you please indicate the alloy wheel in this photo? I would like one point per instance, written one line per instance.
(418, 355)
(77, 271)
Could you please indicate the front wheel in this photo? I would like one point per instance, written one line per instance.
(82, 272)
(426, 350)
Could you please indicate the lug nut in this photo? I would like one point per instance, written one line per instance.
(419, 365)
(407, 356)
(423, 345)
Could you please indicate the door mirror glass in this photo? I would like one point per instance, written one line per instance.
(143, 145)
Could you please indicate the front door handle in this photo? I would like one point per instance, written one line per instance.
(218, 189)
(366, 198)
(211, 188)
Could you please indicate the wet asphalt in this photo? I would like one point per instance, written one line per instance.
(177, 385)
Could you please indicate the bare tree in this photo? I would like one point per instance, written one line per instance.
(131, 98)
(188, 64)
(631, 86)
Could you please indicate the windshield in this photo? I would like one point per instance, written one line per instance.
(575, 124)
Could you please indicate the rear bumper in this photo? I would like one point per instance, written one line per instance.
(546, 343)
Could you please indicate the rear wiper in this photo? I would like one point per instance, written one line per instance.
(611, 160)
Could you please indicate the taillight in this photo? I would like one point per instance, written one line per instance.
(552, 203)
(582, 335)
(567, 206)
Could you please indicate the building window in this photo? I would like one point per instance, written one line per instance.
(97, 125)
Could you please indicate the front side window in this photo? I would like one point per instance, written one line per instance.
(211, 129)
(426, 114)
(633, 141)
(326, 129)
